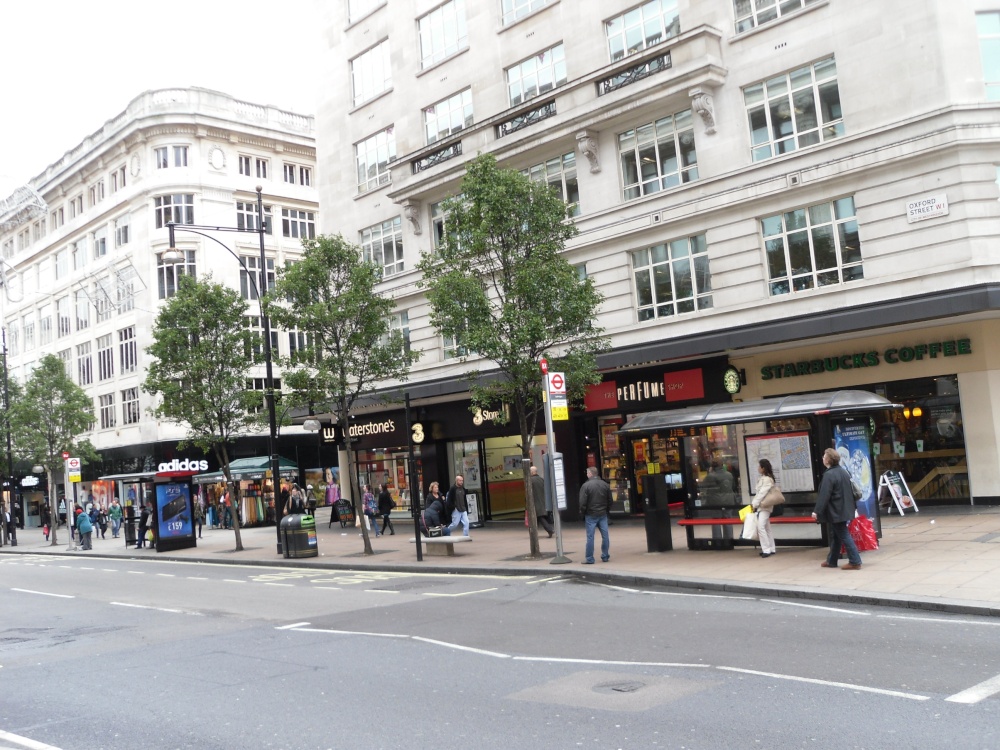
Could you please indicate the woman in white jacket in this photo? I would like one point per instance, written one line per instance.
(763, 505)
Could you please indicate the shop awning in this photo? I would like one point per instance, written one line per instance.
(802, 405)
(249, 468)
(136, 476)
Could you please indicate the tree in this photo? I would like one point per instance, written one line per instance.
(203, 352)
(13, 396)
(332, 299)
(51, 413)
(499, 286)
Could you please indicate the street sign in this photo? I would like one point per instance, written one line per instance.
(557, 384)
(65, 455)
(560, 409)
(73, 464)
(558, 479)
(544, 364)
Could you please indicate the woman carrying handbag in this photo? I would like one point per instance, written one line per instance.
(768, 495)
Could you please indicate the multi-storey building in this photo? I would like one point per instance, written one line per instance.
(82, 249)
(802, 190)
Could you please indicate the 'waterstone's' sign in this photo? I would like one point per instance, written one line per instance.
(860, 360)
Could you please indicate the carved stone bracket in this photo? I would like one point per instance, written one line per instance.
(587, 144)
(701, 102)
(411, 210)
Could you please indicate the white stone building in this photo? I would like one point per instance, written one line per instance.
(82, 243)
(803, 190)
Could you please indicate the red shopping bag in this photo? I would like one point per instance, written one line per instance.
(863, 534)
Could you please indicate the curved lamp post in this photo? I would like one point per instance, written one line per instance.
(173, 255)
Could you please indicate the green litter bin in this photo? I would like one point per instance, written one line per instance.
(298, 536)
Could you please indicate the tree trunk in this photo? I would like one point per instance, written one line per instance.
(535, 551)
(236, 515)
(54, 511)
(344, 418)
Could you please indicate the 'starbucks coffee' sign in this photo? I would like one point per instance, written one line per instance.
(860, 360)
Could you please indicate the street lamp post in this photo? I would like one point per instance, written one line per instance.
(173, 255)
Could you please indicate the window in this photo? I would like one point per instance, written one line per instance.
(371, 73)
(298, 342)
(58, 218)
(66, 357)
(8, 248)
(442, 32)
(162, 156)
(102, 300)
(536, 75)
(448, 116)
(14, 337)
(127, 352)
(297, 223)
(178, 209)
(794, 110)
(454, 347)
(251, 265)
(82, 310)
(62, 260)
(374, 155)
(812, 247)
(383, 245)
(23, 239)
(305, 176)
(244, 163)
(79, 253)
(750, 13)
(400, 322)
(255, 325)
(560, 173)
(37, 231)
(641, 27)
(167, 274)
(130, 406)
(118, 179)
(261, 168)
(84, 367)
(28, 326)
(290, 173)
(358, 8)
(44, 325)
(76, 206)
(658, 156)
(64, 317)
(295, 173)
(672, 278)
(988, 26)
(259, 385)
(246, 216)
(125, 290)
(514, 10)
(122, 230)
(96, 192)
(105, 358)
(100, 243)
(438, 216)
(107, 410)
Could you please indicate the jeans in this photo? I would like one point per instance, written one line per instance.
(85, 539)
(600, 522)
(839, 535)
(116, 524)
(459, 517)
(373, 522)
(764, 532)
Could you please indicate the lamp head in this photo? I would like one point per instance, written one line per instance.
(172, 256)
(311, 425)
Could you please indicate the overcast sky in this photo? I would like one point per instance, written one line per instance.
(67, 67)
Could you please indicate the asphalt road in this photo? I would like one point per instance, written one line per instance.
(99, 653)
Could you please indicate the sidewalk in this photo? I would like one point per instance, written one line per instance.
(941, 559)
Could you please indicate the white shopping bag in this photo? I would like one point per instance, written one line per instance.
(749, 527)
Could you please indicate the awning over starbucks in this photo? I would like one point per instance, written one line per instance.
(249, 468)
(800, 405)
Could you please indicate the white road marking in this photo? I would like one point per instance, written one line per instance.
(461, 648)
(547, 580)
(25, 742)
(610, 662)
(137, 572)
(232, 580)
(288, 585)
(44, 593)
(978, 692)
(817, 606)
(350, 632)
(327, 588)
(166, 575)
(196, 578)
(464, 593)
(829, 683)
(293, 625)
(700, 596)
(994, 623)
(379, 591)
(156, 609)
(108, 570)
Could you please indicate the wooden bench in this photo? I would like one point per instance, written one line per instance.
(726, 541)
(441, 545)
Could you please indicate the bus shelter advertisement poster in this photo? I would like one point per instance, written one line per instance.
(173, 505)
(851, 440)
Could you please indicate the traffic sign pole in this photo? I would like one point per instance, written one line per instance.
(560, 558)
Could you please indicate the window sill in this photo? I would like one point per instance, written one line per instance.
(738, 37)
(366, 102)
(372, 190)
(442, 61)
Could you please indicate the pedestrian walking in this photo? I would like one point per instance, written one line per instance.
(102, 521)
(140, 536)
(115, 514)
(370, 506)
(385, 506)
(85, 526)
(763, 504)
(199, 514)
(455, 501)
(595, 499)
(540, 504)
(835, 507)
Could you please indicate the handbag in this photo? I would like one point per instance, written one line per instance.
(750, 528)
(778, 508)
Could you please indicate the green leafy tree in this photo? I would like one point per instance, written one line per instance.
(203, 352)
(332, 298)
(14, 392)
(47, 420)
(500, 287)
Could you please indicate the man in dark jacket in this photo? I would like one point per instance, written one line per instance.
(595, 501)
(140, 536)
(538, 498)
(835, 507)
(456, 502)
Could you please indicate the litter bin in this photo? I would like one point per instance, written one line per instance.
(658, 534)
(345, 512)
(298, 536)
